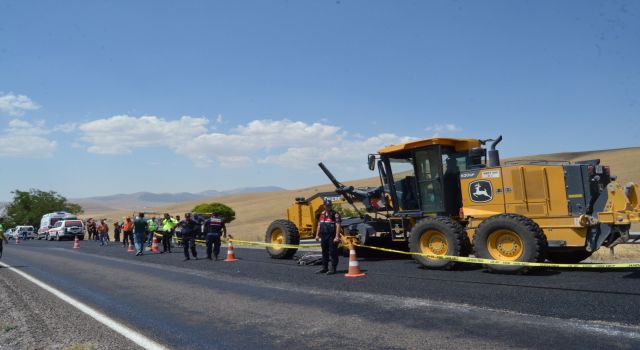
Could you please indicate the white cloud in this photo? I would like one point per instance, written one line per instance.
(219, 119)
(120, 134)
(438, 129)
(16, 105)
(291, 144)
(25, 139)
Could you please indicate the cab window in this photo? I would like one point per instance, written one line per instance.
(428, 166)
(404, 179)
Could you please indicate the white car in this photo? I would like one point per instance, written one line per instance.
(66, 229)
(24, 232)
(9, 233)
(48, 220)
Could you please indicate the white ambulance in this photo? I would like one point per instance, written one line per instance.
(48, 220)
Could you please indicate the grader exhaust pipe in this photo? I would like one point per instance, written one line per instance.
(493, 155)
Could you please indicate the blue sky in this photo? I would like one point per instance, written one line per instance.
(103, 97)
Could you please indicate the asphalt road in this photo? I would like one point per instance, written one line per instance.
(262, 303)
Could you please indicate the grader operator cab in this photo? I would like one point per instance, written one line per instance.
(447, 196)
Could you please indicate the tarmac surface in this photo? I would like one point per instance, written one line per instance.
(258, 302)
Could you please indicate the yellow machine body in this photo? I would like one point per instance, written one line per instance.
(539, 192)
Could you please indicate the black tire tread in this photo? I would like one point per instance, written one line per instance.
(539, 246)
(456, 240)
(291, 234)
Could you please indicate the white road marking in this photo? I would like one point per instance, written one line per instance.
(125, 331)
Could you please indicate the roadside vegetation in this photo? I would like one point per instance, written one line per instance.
(224, 211)
(27, 207)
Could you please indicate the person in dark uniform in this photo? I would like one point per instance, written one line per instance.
(189, 228)
(92, 230)
(116, 231)
(214, 228)
(328, 233)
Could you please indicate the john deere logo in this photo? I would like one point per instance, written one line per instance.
(481, 191)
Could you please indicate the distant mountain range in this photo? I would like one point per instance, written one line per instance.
(149, 199)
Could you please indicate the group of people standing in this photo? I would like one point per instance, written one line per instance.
(98, 231)
(187, 230)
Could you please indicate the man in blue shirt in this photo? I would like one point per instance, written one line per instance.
(139, 231)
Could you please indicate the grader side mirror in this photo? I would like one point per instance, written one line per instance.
(372, 162)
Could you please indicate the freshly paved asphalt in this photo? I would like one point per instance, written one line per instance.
(262, 303)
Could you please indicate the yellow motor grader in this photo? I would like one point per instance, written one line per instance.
(448, 196)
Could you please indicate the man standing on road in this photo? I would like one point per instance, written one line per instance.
(328, 232)
(168, 225)
(139, 231)
(214, 227)
(127, 232)
(151, 226)
(3, 239)
(91, 229)
(116, 231)
(103, 232)
(189, 228)
(178, 231)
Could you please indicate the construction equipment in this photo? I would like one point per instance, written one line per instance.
(447, 196)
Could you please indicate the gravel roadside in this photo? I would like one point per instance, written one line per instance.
(32, 318)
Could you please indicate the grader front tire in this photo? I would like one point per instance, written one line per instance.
(282, 232)
(438, 236)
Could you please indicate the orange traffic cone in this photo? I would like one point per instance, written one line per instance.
(354, 268)
(76, 243)
(230, 255)
(130, 249)
(154, 244)
(17, 239)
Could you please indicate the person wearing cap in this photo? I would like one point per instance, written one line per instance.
(214, 228)
(328, 233)
(189, 228)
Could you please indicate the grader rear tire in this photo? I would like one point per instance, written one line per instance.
(439, 236)
(282, 232)
(510, 237)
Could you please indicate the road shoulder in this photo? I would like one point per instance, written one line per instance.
(32, 318)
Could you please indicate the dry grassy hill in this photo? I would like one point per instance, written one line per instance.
(255, 211)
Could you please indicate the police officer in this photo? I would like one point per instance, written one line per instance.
(214, 228)
(152, 227)
(189, 228)
(168, 225)
(328, 232)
